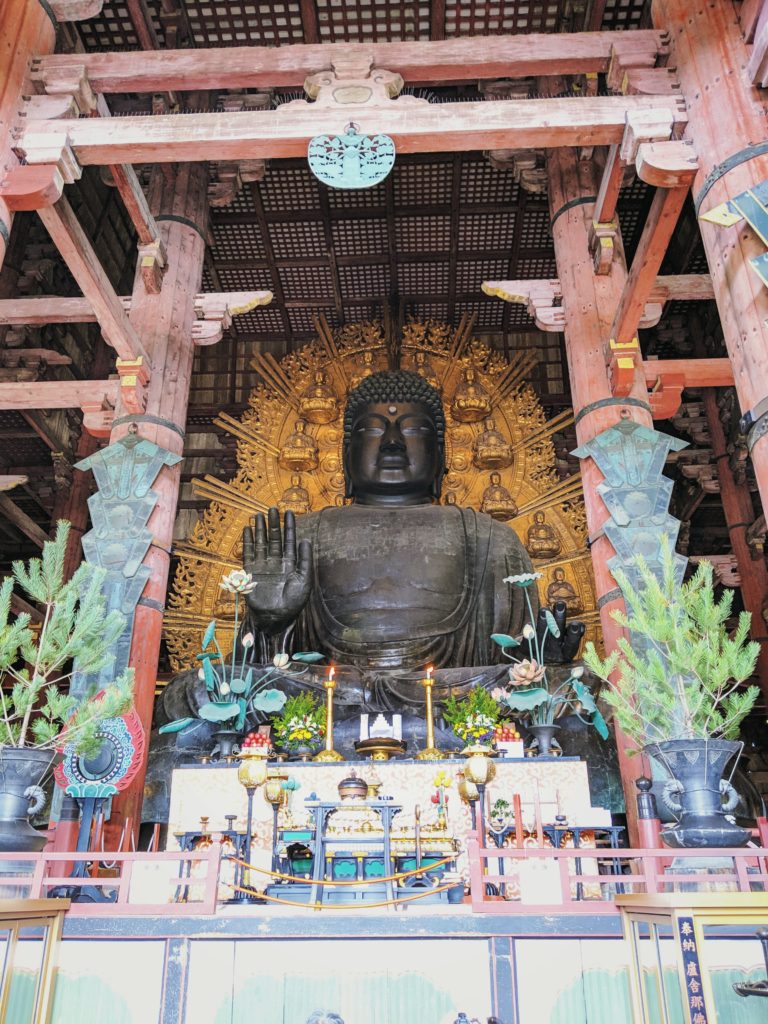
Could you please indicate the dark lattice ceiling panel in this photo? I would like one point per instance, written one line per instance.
(623, 14)
(369, 21)
(479, 233)
(289, 188)
(306, 283)
(485, 184)
(413, 182)
(494, 18)
(359, 237)
(238, 23)
(368, 281)
(423, 234)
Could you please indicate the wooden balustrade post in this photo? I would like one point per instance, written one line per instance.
(476, 873)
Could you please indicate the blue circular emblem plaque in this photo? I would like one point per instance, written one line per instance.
(351, 160)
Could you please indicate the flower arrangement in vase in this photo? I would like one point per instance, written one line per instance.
(534, 694)
(474, 718)
(234, 690)
(301, 726)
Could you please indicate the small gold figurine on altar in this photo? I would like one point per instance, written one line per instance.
(299, 450)
(319, 404)
(471, 401)
(295, 498)
(497, 501)
(541, 540)
(490, 449)
(561, 590)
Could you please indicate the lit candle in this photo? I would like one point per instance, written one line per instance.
(331, 673)
(430, 752)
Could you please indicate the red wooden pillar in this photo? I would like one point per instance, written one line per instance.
(739, 515)
(590, 302)
(726, 124)
(164, 324)
(26, 30)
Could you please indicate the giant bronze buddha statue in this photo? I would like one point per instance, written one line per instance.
(393, 581)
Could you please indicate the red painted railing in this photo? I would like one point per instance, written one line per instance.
(187, 891)
(572, 881)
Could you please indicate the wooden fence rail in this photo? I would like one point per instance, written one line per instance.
(586, 880)
(189, 892)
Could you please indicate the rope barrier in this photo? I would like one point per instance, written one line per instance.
(344, 906)
(363, 881)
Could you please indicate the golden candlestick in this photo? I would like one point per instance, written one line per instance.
(329, 754)
(430, 752)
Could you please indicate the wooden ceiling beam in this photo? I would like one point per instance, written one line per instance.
(61, 309)
(81, 259)
(286, 131)
(420, 63)
(57, 394)
(19, 518)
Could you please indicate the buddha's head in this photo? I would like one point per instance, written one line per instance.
(394, 440)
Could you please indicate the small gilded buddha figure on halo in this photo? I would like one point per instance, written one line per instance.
(490, 449)
(368, 367)
(425, 369)
(497, 502)
(561, 590)
(295, 498)
(319, 404)
(541, 540)
(471, 402)
(299, 450)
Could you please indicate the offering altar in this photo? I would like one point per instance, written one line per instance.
(550, 788)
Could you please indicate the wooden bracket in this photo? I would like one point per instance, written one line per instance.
(231, 178)
(134, 377)
(354, 81)
(670, 164)
(216, 309)
(602, 244)
(31, 187)
(666, 394)
(76, 10)
(54, 148)
(643, 126)
(622, 361)
(528, 167)
(152, 265)
(542, 298)
(98, 417)
(630, 54)
(74, 82)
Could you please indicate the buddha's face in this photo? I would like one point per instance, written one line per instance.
(394, 455)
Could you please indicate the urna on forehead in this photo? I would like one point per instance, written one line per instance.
(393, 386)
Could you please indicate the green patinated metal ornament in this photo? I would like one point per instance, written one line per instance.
(351, 160)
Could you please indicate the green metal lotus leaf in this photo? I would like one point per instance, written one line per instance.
(209, 675)
(503, 640)
(238, 685)
(178, 726)
(242, 714)
(269, 701)
(551, 624)
(600, 724)
(527, 700)
(209, 632)
(219, 710)
(584, 694)
(308, 656)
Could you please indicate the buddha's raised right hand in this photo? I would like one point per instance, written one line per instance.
(283, 572)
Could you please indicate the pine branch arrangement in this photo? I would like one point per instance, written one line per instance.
(35, 662)
(679, 674)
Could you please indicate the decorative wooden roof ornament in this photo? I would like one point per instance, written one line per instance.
(351, 160)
